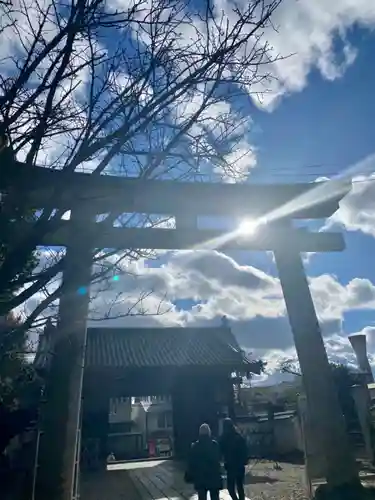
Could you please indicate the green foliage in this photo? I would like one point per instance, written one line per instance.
(344, 379)
(18, 381)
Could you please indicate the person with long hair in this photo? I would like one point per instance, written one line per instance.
(234, 451)
(204, 468)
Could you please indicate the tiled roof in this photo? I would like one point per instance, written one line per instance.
(167, 347)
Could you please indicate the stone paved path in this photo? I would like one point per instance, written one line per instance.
(163, 480)
(108, 486)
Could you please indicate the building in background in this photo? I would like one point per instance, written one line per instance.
(124, 441)
(140, 427)
(153, 419)
(195, 366)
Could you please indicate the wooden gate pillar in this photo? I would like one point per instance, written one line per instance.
(184, 421)
(95, 428)
(103, 430)
(194, 403)
(59, 446)
(322, 398)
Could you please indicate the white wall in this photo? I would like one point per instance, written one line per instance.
(138, 415)
(286, 436)
(287, 433)
(153, 421)
(120, 410)
(145, 417)
(371, 388)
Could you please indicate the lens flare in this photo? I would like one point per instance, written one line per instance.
(248, 227)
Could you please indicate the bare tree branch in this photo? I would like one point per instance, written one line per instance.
(144, 92)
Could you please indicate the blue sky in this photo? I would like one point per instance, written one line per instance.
(326, 126)
(316, 121)
(320, 130)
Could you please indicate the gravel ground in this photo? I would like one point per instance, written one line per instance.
(264, 482)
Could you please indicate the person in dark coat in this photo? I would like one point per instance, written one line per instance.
(234, 451)
(204, 469)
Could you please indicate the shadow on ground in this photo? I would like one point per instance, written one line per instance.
(108, 486)
(295, 458)
(251, 479)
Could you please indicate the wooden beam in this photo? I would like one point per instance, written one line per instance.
(108, 193)
(175, 239)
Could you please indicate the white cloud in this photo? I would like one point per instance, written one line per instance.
(306, 37)
(308, 30)
(357, 209)
(198, 288)
(241, 161)
(29, 26)
(332, 299)
(338, 350)
(26, 16)
(218, 123)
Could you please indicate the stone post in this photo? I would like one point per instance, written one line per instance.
(362, 403)
(359, 345)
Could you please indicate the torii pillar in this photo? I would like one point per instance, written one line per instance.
(322, 398)
(59, 452)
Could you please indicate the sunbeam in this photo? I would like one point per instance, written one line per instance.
(248, 227)
(321, 193)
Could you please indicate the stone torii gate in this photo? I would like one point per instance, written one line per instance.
(88, 195)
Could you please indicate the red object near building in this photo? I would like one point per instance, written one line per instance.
(152, 448)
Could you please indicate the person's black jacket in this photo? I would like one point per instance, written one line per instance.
(204, 469)
(234, 450)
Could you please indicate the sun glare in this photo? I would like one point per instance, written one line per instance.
(248, 227)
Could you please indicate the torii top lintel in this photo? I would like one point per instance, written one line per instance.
(104, 193)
